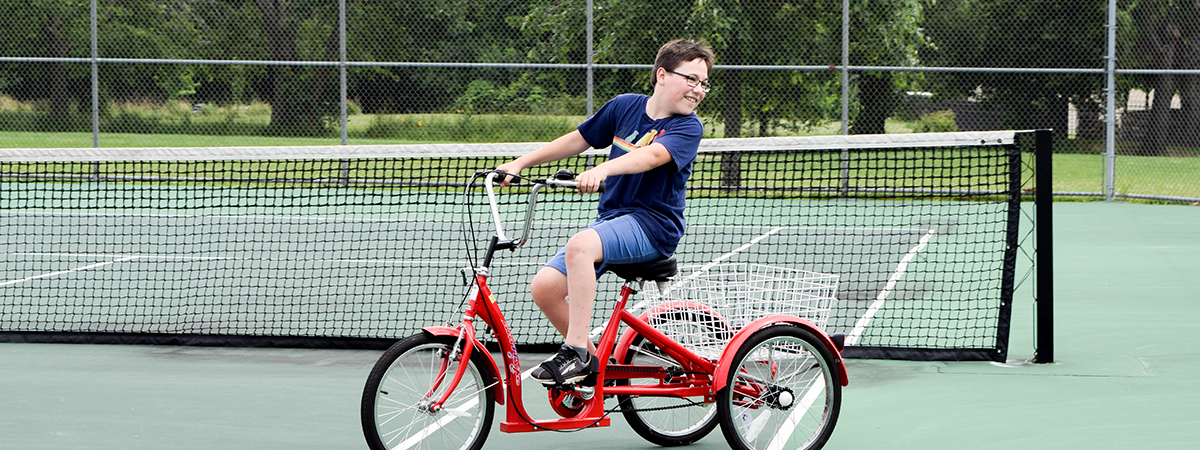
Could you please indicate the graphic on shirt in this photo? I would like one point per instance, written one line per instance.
(625, 146)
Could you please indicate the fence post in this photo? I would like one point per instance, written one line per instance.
(1110, 111)
(342, 63)
(591, 59)
(845, 67)
(95, 77)
(845, 188)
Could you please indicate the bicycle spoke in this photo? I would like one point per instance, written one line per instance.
(400, 416)
(793, 419)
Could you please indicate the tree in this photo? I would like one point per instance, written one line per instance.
(1018, 33)
(774, 33)
(427, 31)
(47, 29)
(61, 29)
(883, 33)
(1165, 34)
(750, 34)
(301, 97)
(145, 29)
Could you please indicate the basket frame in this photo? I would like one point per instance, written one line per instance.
(705, 309)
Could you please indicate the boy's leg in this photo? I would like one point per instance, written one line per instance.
(571, 364)
(623, 241)
(584, 250)
(549, 290)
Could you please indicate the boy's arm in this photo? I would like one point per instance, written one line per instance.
(566, 146)
(637, 161)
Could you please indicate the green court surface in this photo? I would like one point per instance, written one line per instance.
(1126, 351)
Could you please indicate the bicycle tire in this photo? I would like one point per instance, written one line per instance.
(390, 411)
(782, 392)
(667, 427)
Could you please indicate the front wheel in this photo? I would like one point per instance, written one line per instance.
(782, 393)
(407, 378)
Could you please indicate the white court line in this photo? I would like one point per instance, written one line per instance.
(793, 419)
(861, 325)
(420, 436)
(77, 269)
(739, 249)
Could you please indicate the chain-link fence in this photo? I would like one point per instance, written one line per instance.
(1118, 81)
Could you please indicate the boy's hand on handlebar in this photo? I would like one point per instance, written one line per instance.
(511, 168)
(590, 180)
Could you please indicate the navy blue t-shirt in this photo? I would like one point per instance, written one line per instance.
(654, 198)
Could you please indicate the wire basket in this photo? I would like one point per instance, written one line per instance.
(704, 310)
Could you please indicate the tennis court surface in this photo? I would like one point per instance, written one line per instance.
(1126, 357)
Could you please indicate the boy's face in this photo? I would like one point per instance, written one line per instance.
(674, 86)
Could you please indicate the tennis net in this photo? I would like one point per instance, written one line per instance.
(359, 245)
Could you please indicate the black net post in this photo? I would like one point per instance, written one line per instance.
(1043, 146)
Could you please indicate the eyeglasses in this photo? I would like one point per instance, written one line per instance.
(693, 81)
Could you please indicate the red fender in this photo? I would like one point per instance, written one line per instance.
(721, 377)
(493, 377)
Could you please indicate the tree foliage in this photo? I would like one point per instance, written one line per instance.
(1018, 34)
(748, 36)
(1164, 34)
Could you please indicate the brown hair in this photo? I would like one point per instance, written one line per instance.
(679, 51)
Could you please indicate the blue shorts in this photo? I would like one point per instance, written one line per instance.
(623, 241)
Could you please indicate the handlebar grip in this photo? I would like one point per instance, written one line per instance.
(502, 175)
(572, 184)
(566, 178)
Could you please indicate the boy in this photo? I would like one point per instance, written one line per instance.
(654, 142)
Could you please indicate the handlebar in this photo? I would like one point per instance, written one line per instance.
(563, 178)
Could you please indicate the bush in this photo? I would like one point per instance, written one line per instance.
(253, 119)
(523, 96)
(935, 122)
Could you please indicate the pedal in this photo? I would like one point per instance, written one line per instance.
(593, 372)
(585, 392)
(588, 382)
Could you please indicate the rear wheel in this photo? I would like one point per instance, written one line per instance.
(395, 403)
(681, 421)
(782, 392)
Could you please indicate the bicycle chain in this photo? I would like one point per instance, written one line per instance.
(660, 408)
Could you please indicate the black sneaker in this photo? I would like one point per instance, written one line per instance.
(564, 368)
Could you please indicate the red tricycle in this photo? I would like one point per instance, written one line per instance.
(739, 345)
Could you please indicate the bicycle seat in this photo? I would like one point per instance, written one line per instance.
(661, 269)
